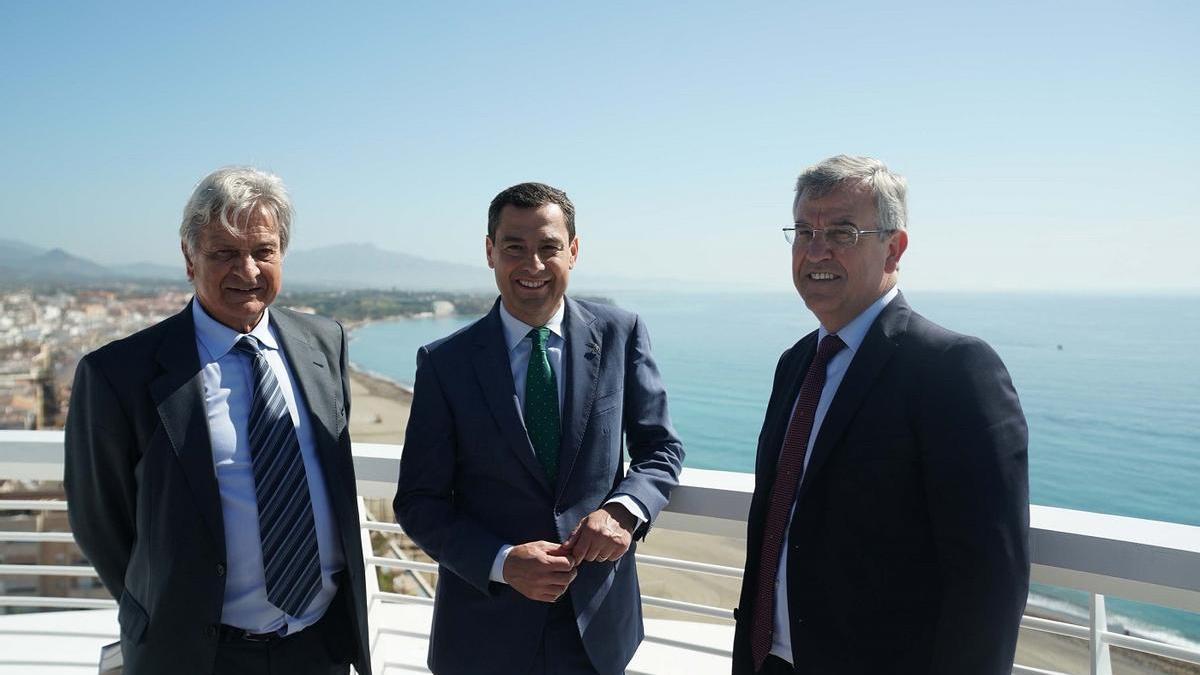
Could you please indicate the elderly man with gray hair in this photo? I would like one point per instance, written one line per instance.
(888, 532)
(208, 466)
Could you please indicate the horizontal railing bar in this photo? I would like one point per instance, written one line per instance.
(1056, 627)
(32, 505)
(58, 633)
(690, 607)
(689, 566)
(394, 564)
(1154, 647)
(61, 537)
(385, 596)
(1027, 670)
(380, 526)
(46, 601)
(48, 570)
(48, 663)
(690, 646)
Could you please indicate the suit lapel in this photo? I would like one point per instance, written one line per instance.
(178, 395)
(494, 372)
(874, 352)
(581, 361)
(805, 351)
(310, 372)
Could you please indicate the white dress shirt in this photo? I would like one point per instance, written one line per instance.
(228, 391)
(520, 346)
(852, 334)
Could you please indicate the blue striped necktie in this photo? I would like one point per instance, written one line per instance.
(291, 560)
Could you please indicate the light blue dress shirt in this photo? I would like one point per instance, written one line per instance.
(228, 388)
(520, 346)
(853, 335)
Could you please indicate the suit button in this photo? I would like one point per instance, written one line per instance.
(220, 569)
(211, 631)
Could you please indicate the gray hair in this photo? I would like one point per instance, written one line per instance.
(890, 189)
(230, 196)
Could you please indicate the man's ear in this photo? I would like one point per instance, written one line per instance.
(574, 252)
(187, 259)
(489, 248)
(896, 248)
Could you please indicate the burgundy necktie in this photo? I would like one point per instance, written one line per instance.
(783, 494)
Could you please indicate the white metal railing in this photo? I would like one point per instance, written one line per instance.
(1141, 560)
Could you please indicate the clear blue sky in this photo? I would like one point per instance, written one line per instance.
(1047, 145)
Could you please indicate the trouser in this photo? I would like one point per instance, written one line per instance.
(317, 650)
(561, 651)
(776, 666)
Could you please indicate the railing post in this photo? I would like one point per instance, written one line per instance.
(1101, 662)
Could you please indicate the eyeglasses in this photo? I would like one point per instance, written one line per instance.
(837, 236)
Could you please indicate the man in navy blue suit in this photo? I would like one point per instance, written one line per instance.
(888, 532)
(513, 474)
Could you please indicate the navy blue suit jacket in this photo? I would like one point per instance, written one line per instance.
(908, 550)
(470, 483)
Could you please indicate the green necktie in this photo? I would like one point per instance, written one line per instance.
(541, 404)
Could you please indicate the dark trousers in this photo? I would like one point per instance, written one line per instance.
(316, 650)
(561, 651)
(776, 666)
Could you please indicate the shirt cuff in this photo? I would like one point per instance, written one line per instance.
(497, 574)
(633, 507)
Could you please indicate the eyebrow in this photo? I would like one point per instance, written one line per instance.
(519, 240)
(836, 220)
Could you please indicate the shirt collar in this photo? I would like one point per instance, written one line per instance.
(516, 330)
(855, 332)
(218, 338)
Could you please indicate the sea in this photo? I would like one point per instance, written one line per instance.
(1110, 386)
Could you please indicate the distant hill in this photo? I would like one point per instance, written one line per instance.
(22, 262)
(342, 266)
(330, 267)
(368, 266)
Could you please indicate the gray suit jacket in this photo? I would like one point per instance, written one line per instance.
(470, 482)
(142, 492)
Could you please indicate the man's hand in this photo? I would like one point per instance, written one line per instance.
(604, 535)
(539, 570)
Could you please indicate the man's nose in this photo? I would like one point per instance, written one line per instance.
(818, 248)
(246, 266)
(534, 261)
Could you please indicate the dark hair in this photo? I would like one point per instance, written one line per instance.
(530, 196)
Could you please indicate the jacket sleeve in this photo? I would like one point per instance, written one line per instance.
(99, 475)
(975, 442)
(655, 452)
(424, 502)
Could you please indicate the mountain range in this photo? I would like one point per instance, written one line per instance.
(340, 266)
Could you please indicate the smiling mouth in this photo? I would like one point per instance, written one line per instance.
(822, 276)
(253, 289)
(524, 283)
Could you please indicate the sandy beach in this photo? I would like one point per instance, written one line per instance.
(379, 414)
(378, 408)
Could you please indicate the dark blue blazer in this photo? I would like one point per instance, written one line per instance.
(909, 547)
(470, 483)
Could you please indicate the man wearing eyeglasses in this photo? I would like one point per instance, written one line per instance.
(888, 531)
(512, 476)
